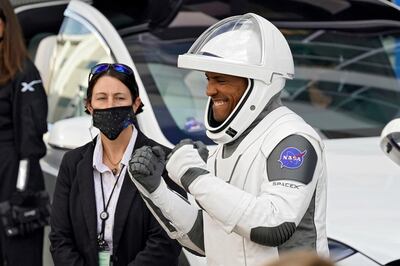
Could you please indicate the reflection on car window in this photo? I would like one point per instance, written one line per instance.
(345, 83)
(77, 50)
(183, 95)
(177, 95)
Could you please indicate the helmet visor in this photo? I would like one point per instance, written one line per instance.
(230, 40)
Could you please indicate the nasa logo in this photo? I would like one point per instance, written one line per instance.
(291, 158)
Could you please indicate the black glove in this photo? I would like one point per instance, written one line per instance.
(147, 165)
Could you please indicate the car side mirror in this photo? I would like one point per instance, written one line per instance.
(390, 140)
(72, 132)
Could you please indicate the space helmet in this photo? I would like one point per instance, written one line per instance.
(246, 46)
(390, 140)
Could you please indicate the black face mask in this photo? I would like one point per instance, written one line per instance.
(111, 121)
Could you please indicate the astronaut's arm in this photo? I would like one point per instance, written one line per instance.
(269, 218)
(180, 219)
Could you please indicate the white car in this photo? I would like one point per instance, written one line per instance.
(346, 86)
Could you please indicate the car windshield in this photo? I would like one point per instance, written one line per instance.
(345, 81)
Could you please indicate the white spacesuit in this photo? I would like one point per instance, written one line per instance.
(262, 191)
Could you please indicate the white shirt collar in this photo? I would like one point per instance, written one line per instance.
(98, 153)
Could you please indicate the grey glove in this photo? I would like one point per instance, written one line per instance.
(202, 150)
(200, 146)
(147, 165)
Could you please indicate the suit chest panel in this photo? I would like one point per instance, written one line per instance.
(244, 169)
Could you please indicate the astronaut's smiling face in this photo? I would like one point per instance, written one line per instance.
(225, 92)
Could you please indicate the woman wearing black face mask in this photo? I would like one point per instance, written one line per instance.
(98, 216)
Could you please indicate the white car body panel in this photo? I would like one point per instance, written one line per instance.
(362, 198)
(72, 132)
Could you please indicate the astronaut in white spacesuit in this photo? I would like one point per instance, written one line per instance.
(262, 191)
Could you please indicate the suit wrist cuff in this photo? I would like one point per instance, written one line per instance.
(192, 175)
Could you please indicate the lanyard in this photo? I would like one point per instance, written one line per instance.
(104, 214)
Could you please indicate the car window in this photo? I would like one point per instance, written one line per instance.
(78, 48)
(345, 82)
(177, 95)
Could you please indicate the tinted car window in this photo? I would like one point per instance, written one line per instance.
(346, 84)
(177, 96)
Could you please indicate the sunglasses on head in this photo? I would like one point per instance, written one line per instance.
(103, 67)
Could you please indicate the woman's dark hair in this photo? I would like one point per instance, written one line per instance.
(128, 80)
(12, 47)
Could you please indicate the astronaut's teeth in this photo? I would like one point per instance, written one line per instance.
(217, 103)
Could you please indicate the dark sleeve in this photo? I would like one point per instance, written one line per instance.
(62, 246)
(171, 184)
(32, 112)
(159, 249)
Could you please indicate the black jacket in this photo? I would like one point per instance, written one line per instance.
(29, 112)
(138, 239)
(28, 123)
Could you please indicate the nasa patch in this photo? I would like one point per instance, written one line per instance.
(291, 158)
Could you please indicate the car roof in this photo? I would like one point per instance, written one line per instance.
(302, 10)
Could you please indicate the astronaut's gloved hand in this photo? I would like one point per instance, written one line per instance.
(187, 162)
(146, 166)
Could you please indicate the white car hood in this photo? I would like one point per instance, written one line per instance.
(363, 198)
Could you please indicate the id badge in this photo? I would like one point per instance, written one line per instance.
(104, 258)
